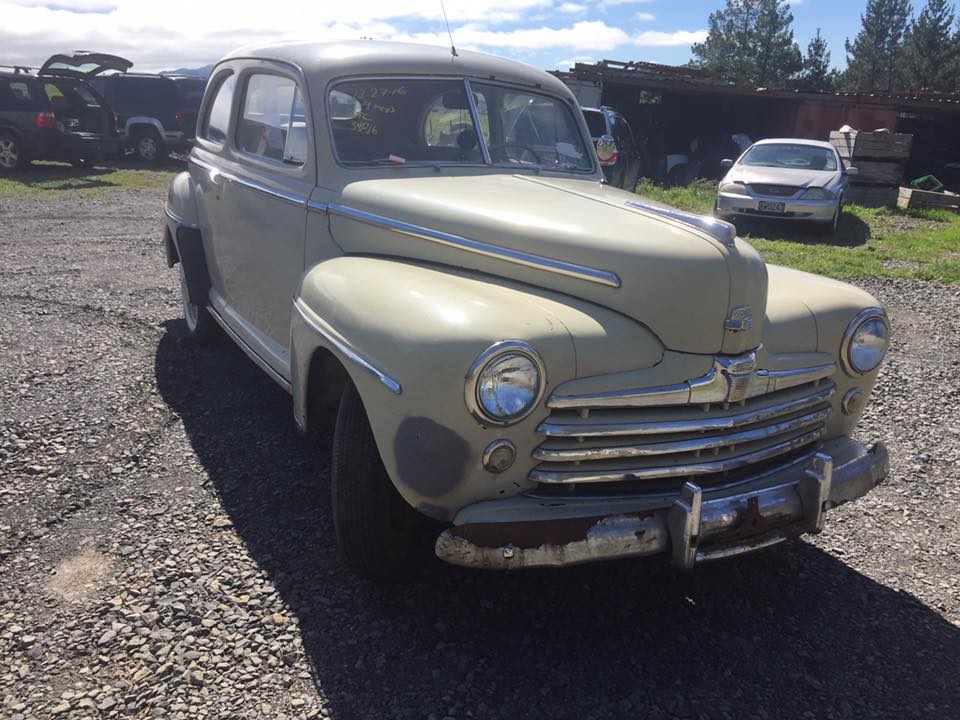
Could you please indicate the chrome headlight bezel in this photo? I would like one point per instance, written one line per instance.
(485, 360)
(846, 345)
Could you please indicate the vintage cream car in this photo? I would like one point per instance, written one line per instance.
(541, 369)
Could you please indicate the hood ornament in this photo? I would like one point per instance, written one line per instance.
(740, 319)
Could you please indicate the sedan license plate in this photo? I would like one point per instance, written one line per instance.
(774, 207)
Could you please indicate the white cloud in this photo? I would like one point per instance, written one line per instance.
(568, 63)
(189, 33)
(655, 38)
(644, 17)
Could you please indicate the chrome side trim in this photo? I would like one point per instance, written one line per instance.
(318, 207)
(700, 444)
(705, 424)
(721, 231)
(179, 220)
(731, 379)
(558, 477)
(249, 183)
(518, 257)
(250, 352)
(321, 328)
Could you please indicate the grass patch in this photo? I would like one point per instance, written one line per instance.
(870, 242)
(48, 180)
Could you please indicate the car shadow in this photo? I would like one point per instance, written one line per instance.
(773, 635)
(851, 231)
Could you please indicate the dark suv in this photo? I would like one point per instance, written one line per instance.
(55, 114)
(622, 168)
(157, 113)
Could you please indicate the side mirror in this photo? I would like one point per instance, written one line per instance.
(851, 171)
(607, 150)
(726, 164)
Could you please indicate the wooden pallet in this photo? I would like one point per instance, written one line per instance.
(856, 145)
(913, 198)
(878, 172)
(872, 195)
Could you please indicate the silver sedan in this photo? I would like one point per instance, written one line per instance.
(789, 179)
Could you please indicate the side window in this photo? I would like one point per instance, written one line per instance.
(273, 123)
(20, 92)
(218, 116)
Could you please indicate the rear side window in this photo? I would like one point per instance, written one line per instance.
(596, 123)
(218, 116)
(273, 122)
(20, 92)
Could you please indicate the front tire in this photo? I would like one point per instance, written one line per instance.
(13, 155)
(379, 534)
(148, 145)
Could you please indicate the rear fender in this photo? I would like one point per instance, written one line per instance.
(182, 239)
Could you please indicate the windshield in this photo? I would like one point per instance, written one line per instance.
(799, 157)
(430, 121)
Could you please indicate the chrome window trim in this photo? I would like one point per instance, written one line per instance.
(712, 442)
(518, 257)
(721, 231)
(319, 326)
(862, 317)
(731, 379)
(483, 359)
(559, 477)
(475, 114)
(657, 427)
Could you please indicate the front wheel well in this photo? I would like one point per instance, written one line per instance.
(326, 381)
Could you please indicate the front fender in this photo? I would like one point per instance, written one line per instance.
(407, 334)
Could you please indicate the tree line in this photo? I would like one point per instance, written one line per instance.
(752, 42)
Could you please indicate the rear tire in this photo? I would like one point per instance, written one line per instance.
(378, 533)
(13, 155)
(148, 145)
(200, 326)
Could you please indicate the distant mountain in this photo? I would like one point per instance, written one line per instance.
(200, 72)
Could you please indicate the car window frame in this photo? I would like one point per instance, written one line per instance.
(468, 82)
(243, 156)
(217, 79)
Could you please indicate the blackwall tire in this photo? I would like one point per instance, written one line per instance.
(13, 155)
(148, 146)
(380, 536)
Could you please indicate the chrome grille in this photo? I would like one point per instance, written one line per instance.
(775, 190)
(669, 440)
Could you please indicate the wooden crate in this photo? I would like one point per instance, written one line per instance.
(877, 172)
(856, 144)
(872, 195)
(913, 198)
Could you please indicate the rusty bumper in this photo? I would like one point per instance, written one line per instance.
(694, 527)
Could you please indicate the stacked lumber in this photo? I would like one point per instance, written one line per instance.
(880, 158)
(924, 199)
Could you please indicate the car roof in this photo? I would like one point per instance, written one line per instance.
(330, 60)
(795, 141)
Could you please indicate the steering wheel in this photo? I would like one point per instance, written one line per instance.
(524, 148)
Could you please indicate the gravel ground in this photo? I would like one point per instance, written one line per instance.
(166, 546)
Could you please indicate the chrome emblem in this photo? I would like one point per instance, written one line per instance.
(738, 372)
(740, 319)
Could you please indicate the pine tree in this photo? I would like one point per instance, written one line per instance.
(873, 55)
(817, 73)
(931, 51)
(750, 41)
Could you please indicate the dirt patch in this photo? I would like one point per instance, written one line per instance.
(77, 577)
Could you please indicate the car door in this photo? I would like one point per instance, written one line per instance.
(257, 173)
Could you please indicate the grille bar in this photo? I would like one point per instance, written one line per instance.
(683, 446)
(561, 477)
(702, 424)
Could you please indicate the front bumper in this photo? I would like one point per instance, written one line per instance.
(696, 526)
(729, 205)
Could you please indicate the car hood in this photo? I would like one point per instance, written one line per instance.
(674, 278)
(780, 176)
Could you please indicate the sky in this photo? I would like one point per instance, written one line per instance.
(547, 34)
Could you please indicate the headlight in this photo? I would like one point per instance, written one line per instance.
(817, 194)
(865, 342)
(734, 188)
(505, 382)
